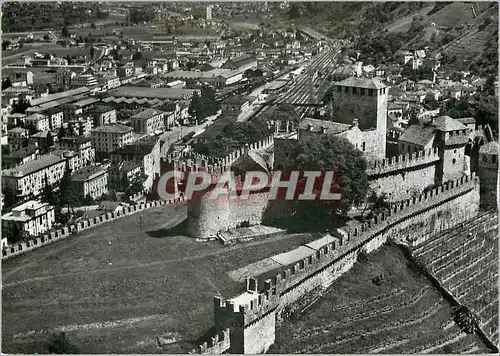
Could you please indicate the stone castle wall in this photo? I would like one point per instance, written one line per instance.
(216, 346)
(438, 209)
(404, 175)
(207, 217)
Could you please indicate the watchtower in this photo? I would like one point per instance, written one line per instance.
(365, 100)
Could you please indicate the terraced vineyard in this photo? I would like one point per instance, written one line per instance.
(465, 261)
(405, 314)
(472, 44)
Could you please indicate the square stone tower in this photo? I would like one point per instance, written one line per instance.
(363, 100)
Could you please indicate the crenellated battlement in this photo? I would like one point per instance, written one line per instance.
(216, 346)
(194, 162)
(263, 296)
(402, 162)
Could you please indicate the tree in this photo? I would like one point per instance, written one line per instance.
(46, 37)
(467, 320)
(6, 83)
(9, 198)
(32, 129)
(195, 108)
(92, 52)
(19, 106)
(61, 133)
(49, 141)
(375, 203)
(5, 44)
(92, 26)
(48, 195)
(337, 154)
(59, 344)
(65, 32)
(67, 195)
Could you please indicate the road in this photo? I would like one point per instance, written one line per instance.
(178, 132)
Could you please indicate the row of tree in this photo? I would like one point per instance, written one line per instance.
(204, 105)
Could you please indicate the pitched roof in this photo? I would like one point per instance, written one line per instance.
(418, 135)
(118, 128)
(368, 83)
(146, 114)
(446, 124)
(33, 166)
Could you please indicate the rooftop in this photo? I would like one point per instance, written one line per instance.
(418, 135)
(64, 94)
(33, 166)
(368, 83)
(146, 114)
(113, 128)
(446, 124)
(88, 173)
(151, 93)
(330, 126)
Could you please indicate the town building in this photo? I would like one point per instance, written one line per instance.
(122, 173)
(32, 218)
(241, 63)
(55, 116)
(103, 115)
(81, 145)
(148, 121)
(110, 137)
(38, 121)
(145, 152)
(29, 179)
(90, 181)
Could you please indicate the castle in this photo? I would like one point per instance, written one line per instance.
(251, 318)
(430, 155)
(429, 185)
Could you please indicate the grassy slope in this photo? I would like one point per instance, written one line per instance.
(337, 325)
(166, 284)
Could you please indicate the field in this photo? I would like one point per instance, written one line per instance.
(467, 266)
(158, 283)
(405, 314)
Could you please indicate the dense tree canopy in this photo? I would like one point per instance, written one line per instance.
(233, 137)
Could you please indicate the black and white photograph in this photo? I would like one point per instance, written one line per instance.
(279, 177)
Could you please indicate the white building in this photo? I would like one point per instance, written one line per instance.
(32, 218)
(107, 138)
(90, 181)
(39, 121)
(29, 178)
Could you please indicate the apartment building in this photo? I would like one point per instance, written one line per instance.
(81, 145)
(110, 137)
(103, 115)
(32, 218)
(90, 181)
(145, 152)
(29, 179)
(55, 116)
(122, 173)
(148, 121)
(39, 121)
